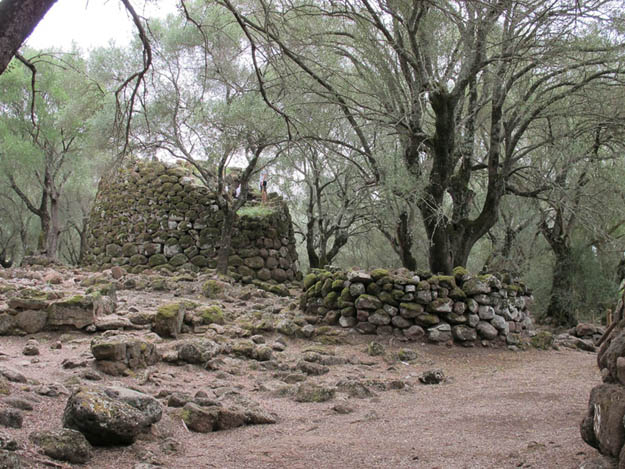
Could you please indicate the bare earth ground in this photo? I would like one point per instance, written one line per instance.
(498, 409)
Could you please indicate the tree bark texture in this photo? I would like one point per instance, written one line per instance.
(560, 309)
(18, 19)
(225, 241)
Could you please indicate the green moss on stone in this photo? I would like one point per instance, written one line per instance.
(309, 281)
(377, 274)
(212, 315)
(157, 259)
(460, 271)
(169, 310)
(330, 299)
(212, 288)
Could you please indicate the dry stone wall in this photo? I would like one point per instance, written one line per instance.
(151, 215)
(461, 307)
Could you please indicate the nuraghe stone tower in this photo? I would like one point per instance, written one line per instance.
(153, 215)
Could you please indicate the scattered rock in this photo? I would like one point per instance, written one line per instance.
(343, 409)
(31, 348)
(432, 377)
(312, 369)
(18, 403)
(11, 418)
(375, 349)
(309, 392)
(7, 442)
(10, 460)
(63, 445)
(406, 355)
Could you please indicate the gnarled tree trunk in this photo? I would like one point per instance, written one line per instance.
(18, 19)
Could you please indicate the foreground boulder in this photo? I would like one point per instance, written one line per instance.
(602, 428)
(64, 445)
(110, 416)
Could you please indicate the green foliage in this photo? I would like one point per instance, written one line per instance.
(256, 211)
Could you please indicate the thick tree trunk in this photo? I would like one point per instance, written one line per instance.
(18, 19)
(54, 229)
(225, 242)
(42, 242)
(404, 243)
(560, 310)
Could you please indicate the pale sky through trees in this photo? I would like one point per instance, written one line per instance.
(91, 23)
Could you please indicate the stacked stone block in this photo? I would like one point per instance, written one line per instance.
(441, 308)
(151, 215)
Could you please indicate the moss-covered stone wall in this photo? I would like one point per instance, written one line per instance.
(153, 215)
(460, 307)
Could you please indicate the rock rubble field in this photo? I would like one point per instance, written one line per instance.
(180, 370)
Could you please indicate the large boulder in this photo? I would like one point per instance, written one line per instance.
(602, 428)
(609, 355)
(110, 417)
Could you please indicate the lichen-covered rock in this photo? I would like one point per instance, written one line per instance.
(197, 350)
(127, 352)
(475, 286)
(168, 319)
(75, 312)
(64, 445)
(310, 392)
(104, 420)
(367, 302)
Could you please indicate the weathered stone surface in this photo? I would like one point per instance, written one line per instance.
(64, 445)
(410, 310)
(130, 352)
(486, 330)
(168, 320)
(197, 350)
(8, 324)
(464, 333)
(440, 333)
(310, 392)
(367, 302)
(602, 428)
(105, 420)
(75, 312)
(475, 286)
(11, 418)
(441, 305)
(31, 321)
(414, 332)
